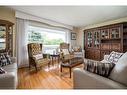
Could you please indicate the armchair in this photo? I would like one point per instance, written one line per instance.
(36, 57)
(65, 54)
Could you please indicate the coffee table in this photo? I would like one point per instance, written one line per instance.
(71, 63)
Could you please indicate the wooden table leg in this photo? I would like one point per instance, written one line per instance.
(52, 60)
(58, 59)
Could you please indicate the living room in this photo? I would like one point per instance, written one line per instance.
(58, 47)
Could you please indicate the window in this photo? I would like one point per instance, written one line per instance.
(49, 38)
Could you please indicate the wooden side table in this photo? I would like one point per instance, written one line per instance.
(55, 56)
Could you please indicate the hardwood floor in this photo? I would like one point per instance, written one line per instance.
(46, 78)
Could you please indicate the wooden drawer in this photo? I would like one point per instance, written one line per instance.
(89, 54)
(105, 46)
(116, 46)
(93, 54)
(97, 55)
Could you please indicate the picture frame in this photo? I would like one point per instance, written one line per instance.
(73, 36)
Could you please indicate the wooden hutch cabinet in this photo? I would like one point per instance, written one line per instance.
(6, 36)
(102, 40)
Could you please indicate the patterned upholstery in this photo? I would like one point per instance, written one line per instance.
(2, 71)
(35, 49)
(77, 48)
(99, 68)
(5, 59)
(114, 57)
(65, 54)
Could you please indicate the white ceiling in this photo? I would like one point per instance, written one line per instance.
(76, 15)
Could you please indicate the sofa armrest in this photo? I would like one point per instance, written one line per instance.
(13, 59)
(8, 81)
(85, 80)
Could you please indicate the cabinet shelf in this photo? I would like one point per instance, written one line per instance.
(112, 39)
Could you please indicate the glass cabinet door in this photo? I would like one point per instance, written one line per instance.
(105, 34)
(115, 33)
(97, 39)
(6, 36)
(89, 39)
(2, 37)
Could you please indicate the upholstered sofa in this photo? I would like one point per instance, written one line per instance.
(9, 79)
(117, 79)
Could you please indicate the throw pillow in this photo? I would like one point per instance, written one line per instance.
(8, 58)
(5, 59)
(119, 72)
(114, 57)
(38, 56)
(2, 71)
(99, 68)
(77, 49)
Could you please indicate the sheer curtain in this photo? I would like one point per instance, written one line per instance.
(68, 39)
(21, 42)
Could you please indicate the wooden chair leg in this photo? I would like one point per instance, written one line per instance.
(70, 72)
(36, 68)
(29, 66)
(52, 60)
(48, 64)
(60, 68)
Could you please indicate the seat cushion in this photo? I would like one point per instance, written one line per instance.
(78, 54)
(98, 67)
(119, 72)
(38, 56)
(42, 61)
(10, 67)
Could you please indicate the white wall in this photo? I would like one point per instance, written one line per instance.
(74, 42)
(80, 38)
(38, 19)
(7, 14)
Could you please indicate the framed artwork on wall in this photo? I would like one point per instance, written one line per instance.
(73, 36)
